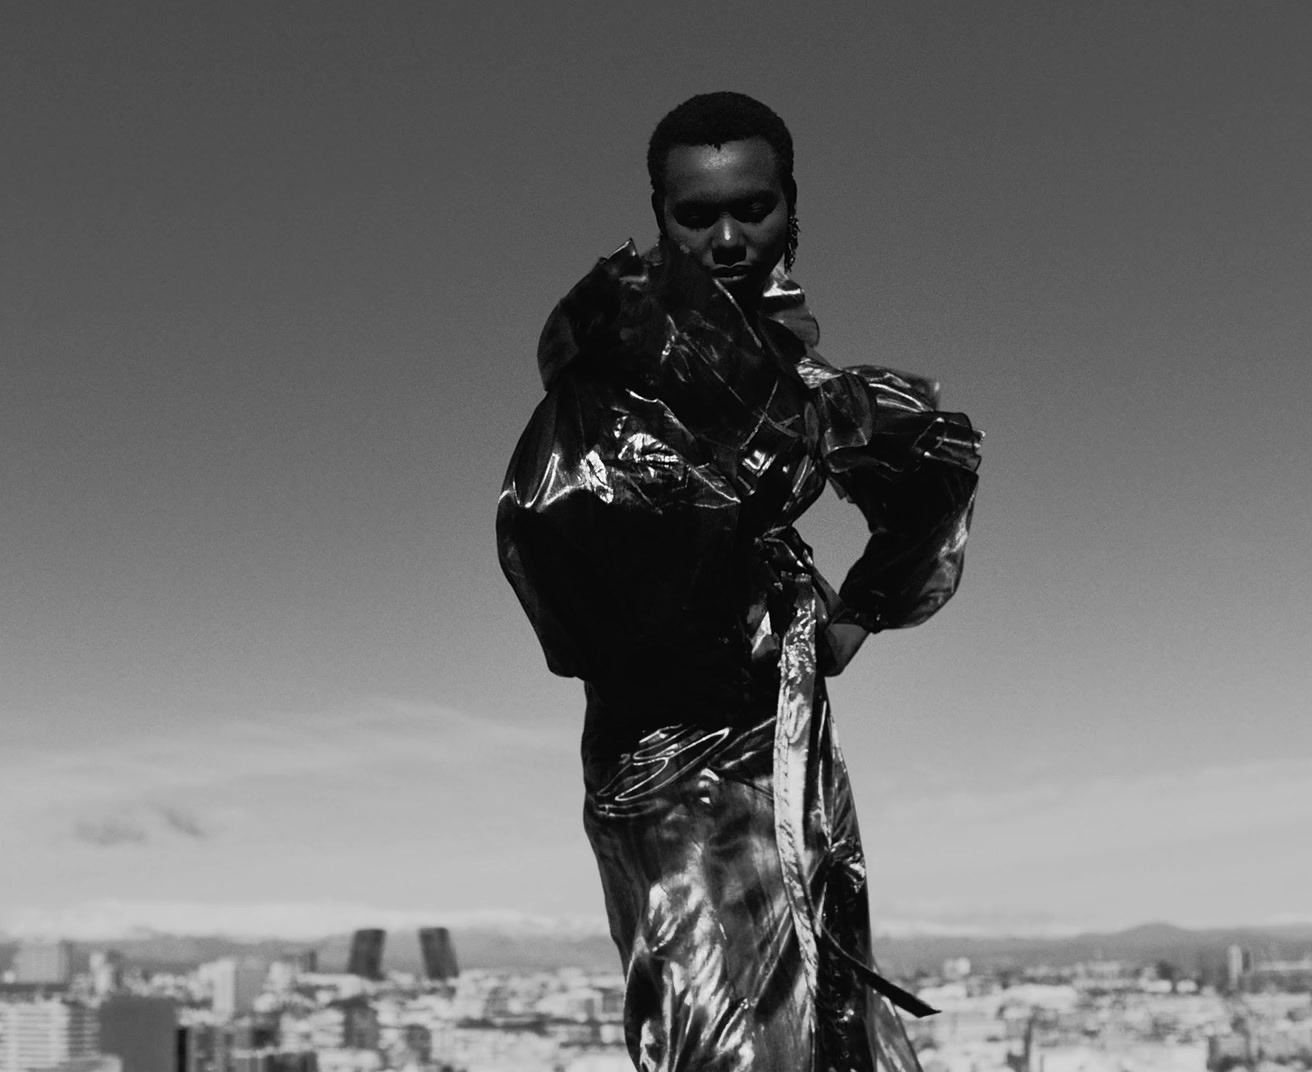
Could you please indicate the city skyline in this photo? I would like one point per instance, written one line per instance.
(249, 1015)
(270, 308)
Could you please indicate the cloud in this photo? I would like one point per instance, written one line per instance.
(107, 832)
(431, 798)
(137, 826)
(108, 918)
(182, 822)
(372, 745)
(112, 918)
(1099, 853)
(440, 800)
(949, 918)
(1297, 920)
(1055, 819)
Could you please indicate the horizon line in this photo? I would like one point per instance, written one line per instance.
(312, 922)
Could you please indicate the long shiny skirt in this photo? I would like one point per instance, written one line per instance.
(684, 831)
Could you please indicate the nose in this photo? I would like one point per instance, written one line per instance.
(727, 243)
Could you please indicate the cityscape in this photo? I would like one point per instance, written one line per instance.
(88, 1007)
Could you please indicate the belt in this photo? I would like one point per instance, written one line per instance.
(792, 738)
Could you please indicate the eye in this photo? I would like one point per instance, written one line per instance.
(695, 219)
(754, 212)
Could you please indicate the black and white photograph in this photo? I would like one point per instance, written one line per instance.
(689, 537)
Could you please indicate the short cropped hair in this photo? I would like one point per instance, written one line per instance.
(713, 119)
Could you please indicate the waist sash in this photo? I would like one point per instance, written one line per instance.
(792, 739)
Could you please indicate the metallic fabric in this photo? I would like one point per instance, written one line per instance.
(646, 525)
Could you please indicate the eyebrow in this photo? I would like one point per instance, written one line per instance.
(764, 193)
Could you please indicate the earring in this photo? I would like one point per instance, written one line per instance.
(790, 252)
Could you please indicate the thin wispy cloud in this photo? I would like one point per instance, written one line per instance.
(1185, 846)
(1056, 819)
(1054, 857)
(108, 917)
(949, 917)
(369, 744)
(109, 832)
(111, 918)
(433, 798)
(137, 825)
(182, 822)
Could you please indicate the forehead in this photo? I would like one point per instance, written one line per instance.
(727, 172)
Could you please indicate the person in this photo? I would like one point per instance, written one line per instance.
(647, 526)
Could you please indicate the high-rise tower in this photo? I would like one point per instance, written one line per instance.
(44, 962)
(234, 984)
(106, 971)
(141, 1032)
(439, 953)
(45, 1033)
(1238, 963)
(367, 954)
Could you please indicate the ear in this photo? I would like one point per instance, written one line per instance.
(658, 207)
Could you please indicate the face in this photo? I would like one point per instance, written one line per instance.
(726, 205)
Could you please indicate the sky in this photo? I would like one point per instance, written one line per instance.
(272, 280)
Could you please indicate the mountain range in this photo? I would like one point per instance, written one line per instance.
(539, 948)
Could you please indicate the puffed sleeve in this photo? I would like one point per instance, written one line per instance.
(911, 471)
(546, 468)
(614, 527)
(617, 543)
